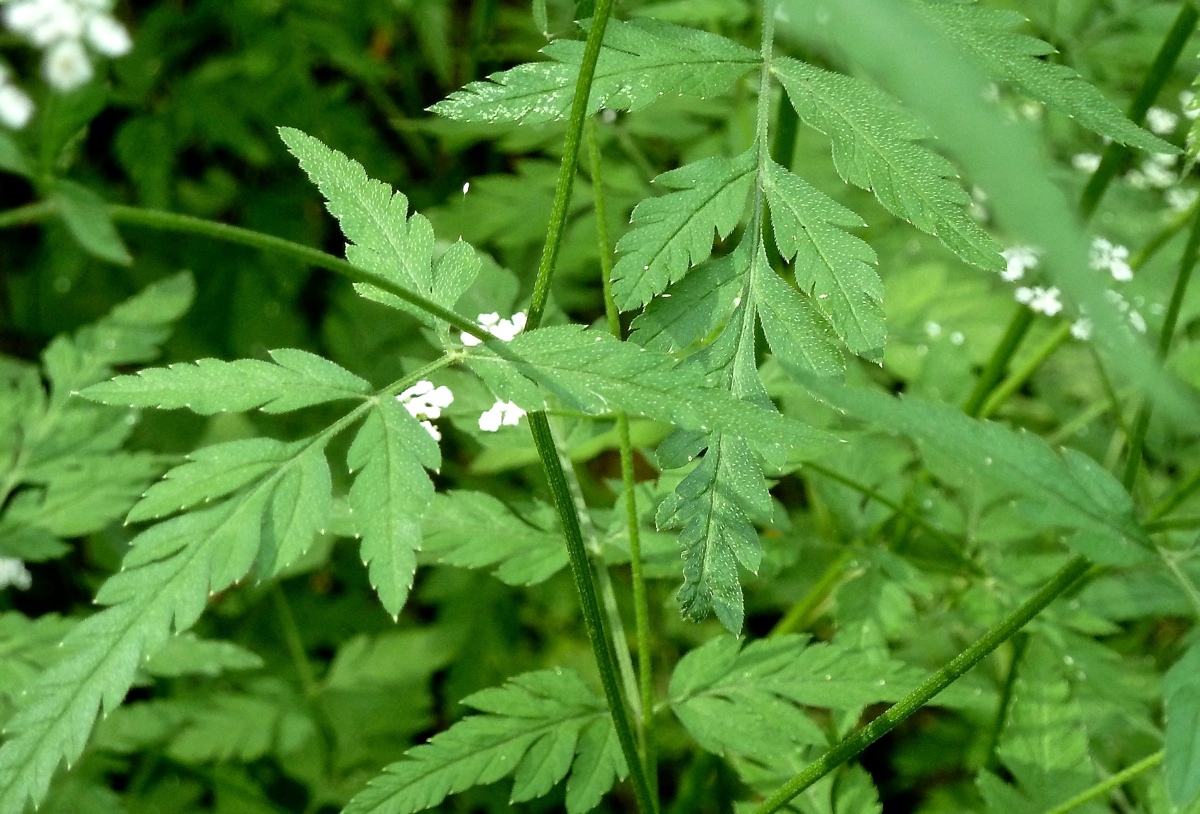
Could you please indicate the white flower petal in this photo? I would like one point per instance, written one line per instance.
(66, 65)
(108, 36)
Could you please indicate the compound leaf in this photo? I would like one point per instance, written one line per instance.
(1019, 59)
(750, 700)
(639, 62)
(674, 232)
(1060, 489)
(296, 379)
(832, 266)
(475, 530)
(537, 726)
(877, 146)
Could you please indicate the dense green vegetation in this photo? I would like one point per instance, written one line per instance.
(677, 406)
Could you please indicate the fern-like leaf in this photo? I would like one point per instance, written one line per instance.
(750, 701)
(876, 146)
(390, 493)
(672, 233)
(1017, 59)
(296, 379)
(639, 62)
(383, 239)
(539, 726)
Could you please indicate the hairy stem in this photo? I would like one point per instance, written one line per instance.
(641, 608)
(1187, 265)
(543, 438)
(1100, 789)
(855, 743)
(186, 224)
(566, 170)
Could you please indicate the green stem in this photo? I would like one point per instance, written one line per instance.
(186, 224)
(855, 743)
(593, 619)
(641, 607)
(797, 615)
(1016, 380)
(291, 638)
(1185, 582)
(1020, 641)
(1187, 264)
(1171, 524)
(1119, 779)
(993, 371)
(1176, 496)
(566, 170)
(1158, 75)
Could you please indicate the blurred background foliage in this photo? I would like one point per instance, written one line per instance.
(317, 688)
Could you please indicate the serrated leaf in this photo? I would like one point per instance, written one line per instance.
(389, 495)
(1064, 489)
(1019, 59)
(297, 379)
(1181, 698)
(697, 306)
(475, 530)
(383, 239)
(236, 728)
(591, 372)
(748, 701)
(639, 62)
(168, 575)
(86, 217)
(674, 232)
(531, 727)
(876, 146)
(832, 266)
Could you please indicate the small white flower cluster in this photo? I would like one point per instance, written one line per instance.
(16, 108)
(64, 30)
(1161, 121)
(424, 402)
(502, 329)
(1104, 256)
(501, 413)
(13, 572)
(1156, 172)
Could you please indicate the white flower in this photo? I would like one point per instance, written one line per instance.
(1019, 260)
(424, 401)
(957, 338)
(1158, 171)
(1161, 120)
(108, 37)
(1081, 329)
(501, 413)
(1137, 321)
(1085, 162)
(1106, 256)
(1042, 300)
(66, 65)
(13, 572)
(16, 108)
(933, 330)
(1181, 200)
(502, 329)
(1187, 101)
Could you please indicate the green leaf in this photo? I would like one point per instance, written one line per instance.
(390, 493)
(167, 576)
(537, 726)
(1181, 697)
(475, 530)
(13, 158)
(87, 219)
(1065, 489)
(640, 61)
(1044, 744)
(1020, 60)
(750, 701)
(876, 146)
(239, 727)
(591, 372)
(832, 266)
(188, 654)
(383, 238)
(672, 233)
(296, 379)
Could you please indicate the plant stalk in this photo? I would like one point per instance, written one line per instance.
(852, 745)
(1119, 779)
